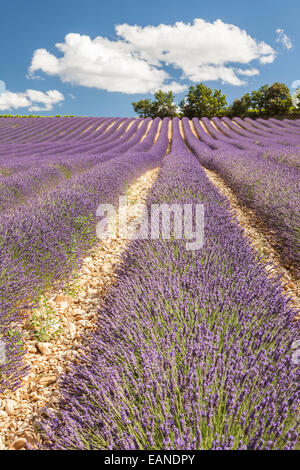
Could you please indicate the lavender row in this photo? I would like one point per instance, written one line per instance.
(45, 143)
(268, 135)
(264, 126)
(279, 126)
(32, 128)
(197, 345)
(59, 130)
(218, 135)
(262, 139)
(48, 127)
(48, 172)
(40, 178)
(265, 185)
(36, 156)
(42, 241)
(247, 143)
(287, 155)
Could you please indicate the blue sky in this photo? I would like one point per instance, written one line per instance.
(158, 44)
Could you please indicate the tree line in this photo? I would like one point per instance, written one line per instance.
(202, 101)
(33, 116)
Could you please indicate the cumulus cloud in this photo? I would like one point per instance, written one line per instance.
(133, 63)
(100, 63)
(2, 87)
(200, 49)
(283, 39)
(248, 72)
(34, 100)
(296, 84)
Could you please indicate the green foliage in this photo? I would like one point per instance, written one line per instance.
(202, 101)
(73, 288)
(259, 98)
(267, 101)
(65, 171)
(278, 99)
(45, 323)
(17, 335)
(162, 106)
(142, 108)
(240, 107)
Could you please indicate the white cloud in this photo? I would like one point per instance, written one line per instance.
(283, 39)
(134, 63)
(32, 99)
(10, 100)
(2, 87)
(200, 49)
(173, 86)
(248, 72)
(266, 60)
(100, 63)
(296, 84)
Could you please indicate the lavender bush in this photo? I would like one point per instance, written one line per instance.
(193, 350)
(266, 185)
(41, 241)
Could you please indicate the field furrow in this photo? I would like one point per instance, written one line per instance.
(180, 337)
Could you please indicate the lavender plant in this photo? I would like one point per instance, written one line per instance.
(266, 185)
(42, 241)
(197, 345)
(193, 349)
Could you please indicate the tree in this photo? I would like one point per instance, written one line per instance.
(240, 107)
(142, 108)
(259, 98)
(162, 106)
(202, 101)
(272, 100)
(278, 99)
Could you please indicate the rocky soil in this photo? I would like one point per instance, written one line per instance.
(65, 316)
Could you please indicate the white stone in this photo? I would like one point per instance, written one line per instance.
(10, 407)
(72, 329)
(2, 445)
(44, 348)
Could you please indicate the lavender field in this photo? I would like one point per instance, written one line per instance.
(190, 349)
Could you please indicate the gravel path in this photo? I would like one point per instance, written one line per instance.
(72, 313)
(259, 238)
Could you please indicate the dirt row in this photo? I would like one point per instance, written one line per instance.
(71, 313)
(259, 237)
(65, 316)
